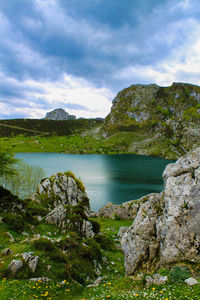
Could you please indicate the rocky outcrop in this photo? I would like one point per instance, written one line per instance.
(31, 260)
(67, 203)
(171, 112)
(59, 114)
(15, 266)
(125, 211)
(166, 229)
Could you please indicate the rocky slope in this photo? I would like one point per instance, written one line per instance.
(165, 114)
(52, 233)
(166, 229)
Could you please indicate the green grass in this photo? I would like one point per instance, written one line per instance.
(123, 142)
(114, 285)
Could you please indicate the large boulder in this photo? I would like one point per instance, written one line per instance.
(167, 226)
(67, 203)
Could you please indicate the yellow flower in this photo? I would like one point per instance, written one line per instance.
(161, 292)
(67, 290)
(33, 287)
(104, 285)
(153, 289)
(67, 282)
(136, 295)
(108, 296)
(24, 293)
(109, 283)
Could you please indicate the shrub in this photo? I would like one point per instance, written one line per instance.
(95, 226)
(179, 274)
(105, 242)
(51, 250)
(14, 222)
(34, 208)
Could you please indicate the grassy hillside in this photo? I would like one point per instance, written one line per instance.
(114, 284)
(32, 127)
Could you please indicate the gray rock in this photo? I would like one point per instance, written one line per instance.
(127, 210)
(87, 229)
(167, 226)
(31, 260)
(156, 279)
(42, 279)
(191, 281)
(7, 251)
(57, 216)
(96, 283)
(15, 266)
(122, 231)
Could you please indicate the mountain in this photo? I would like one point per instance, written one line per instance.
(59, 114)
(167, 115)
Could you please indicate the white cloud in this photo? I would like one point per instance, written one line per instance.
(93, 102)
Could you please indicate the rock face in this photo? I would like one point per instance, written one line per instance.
(166, 229)
(171, 112)
(59, 114)
(125, 211)
(66, 201)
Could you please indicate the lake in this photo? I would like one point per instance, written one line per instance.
(107, 178)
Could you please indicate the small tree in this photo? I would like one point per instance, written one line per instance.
(7, 162)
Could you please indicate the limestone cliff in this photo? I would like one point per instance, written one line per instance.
(166, 229)
(170, 114)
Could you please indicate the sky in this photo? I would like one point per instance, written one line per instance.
(78, 54)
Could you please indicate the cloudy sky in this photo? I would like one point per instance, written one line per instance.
(77, 54)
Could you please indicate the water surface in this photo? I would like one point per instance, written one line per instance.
(107, 178)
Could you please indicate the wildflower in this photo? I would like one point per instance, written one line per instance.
(108, 296)
(33, 287)
(67, 290)
(24, 293)
(153, 289)
(161, 292)
(104, 285)
(136, 295)
(109, 283)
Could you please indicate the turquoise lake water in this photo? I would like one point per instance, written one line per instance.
(107, 178)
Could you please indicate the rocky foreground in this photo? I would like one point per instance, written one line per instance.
(166, 229)
(54, 237)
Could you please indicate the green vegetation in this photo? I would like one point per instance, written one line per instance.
(114, 285)
(24, 179)
(41, 127)
(6, 163)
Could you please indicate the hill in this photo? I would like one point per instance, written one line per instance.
(169, 116)
(31, 127)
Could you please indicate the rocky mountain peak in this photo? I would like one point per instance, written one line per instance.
(59, 114)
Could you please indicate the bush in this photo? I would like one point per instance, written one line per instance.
(90, 250)
(35, 209)
(179, 274)
(95, 226)
(105, 242)
(51, 250)
(14, 222)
